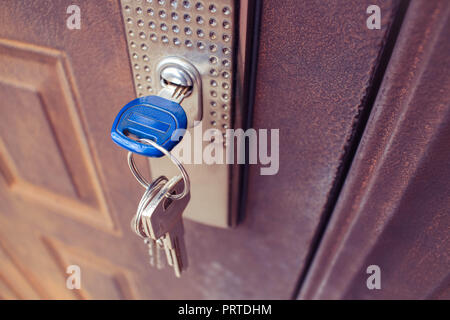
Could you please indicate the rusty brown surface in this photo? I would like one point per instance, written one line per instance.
(316, 62)
(394, 209)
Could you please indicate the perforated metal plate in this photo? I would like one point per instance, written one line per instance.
(204, 33)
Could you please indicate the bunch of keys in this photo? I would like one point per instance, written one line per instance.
(146, 126)
(158, 221)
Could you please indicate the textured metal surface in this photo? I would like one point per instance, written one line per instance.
(199, 31)
(203, 33)
(394, 209)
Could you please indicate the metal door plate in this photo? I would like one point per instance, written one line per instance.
(212, 36)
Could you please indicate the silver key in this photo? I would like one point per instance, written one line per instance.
(162, 218)
(154, 249)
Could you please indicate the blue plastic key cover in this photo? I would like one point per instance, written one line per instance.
(149, 117)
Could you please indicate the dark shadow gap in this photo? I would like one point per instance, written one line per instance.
(255, 21)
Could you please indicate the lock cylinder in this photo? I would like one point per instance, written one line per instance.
(173, 75)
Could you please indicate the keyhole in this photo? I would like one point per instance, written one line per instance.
(178, 77)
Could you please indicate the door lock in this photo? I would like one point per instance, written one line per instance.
(179, 72)
(203, 49)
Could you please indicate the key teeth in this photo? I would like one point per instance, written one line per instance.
(159, 249)
(180, 92)
(177, 92)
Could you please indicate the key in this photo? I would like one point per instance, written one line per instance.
(151, 250)
(159, 254)
(154, 248)
(176, 248)
(162, 213)
(152, 117)
(162, 219)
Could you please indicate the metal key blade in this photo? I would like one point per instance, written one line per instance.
(162, 220)
(154, 247)
(174, 241)
(159, 253)
(168, 253)
(153, 189)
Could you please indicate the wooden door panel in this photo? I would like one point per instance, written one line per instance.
(59, 96)
(102, 278)
(44, 150)
(24, 107)
(14, 281)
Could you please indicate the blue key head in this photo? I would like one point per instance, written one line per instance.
(150, 117)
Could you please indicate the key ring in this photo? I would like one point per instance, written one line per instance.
(136, 173)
